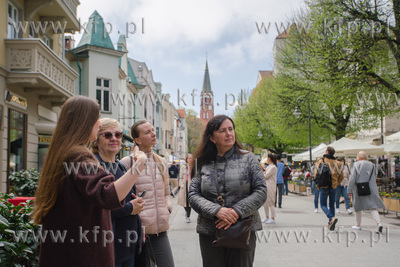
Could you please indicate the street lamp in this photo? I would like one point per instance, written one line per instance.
(297, 113)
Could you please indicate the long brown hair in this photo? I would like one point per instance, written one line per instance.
(73, 130)
(157, 159)
(207, 150)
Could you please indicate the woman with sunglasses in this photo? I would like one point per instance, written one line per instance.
(74, 195)
(125, 221)
(155, 181)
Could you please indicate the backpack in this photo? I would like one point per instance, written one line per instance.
(323, 177)
(286, 171)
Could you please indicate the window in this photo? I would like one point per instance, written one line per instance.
(12, 21)
(103, 94)
(16, 142)
(210, 107)
(158, 132)
(165, 115)
(48, 41)
(145, 108)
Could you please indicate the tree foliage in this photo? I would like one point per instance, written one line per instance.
(195, 129)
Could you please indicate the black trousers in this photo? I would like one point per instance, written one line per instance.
(188, 209)
(162, 250)
(226, 257)
(279, 192)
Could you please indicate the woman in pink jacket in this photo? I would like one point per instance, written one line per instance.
(155, 181)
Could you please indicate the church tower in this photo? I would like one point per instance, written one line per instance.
(207, 98)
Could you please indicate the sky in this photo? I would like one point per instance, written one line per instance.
(175, 37)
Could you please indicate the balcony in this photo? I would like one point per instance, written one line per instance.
(54, 10)
(34, 66)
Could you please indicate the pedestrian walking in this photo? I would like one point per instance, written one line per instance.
(185, 179)
(364, 171)
(279, 179)
(328, 176)
(342, 188)
(270, 180)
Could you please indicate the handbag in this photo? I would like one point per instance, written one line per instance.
(146, 258)
(363, 188)
(238, 234)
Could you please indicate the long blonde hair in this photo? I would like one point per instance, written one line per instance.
(73, 130)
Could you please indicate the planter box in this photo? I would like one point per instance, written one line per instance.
(392, 204)
(302, 188)
(297, 188)
(291, 187)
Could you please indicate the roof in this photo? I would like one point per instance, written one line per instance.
(94, 33)
(206, 81)
(131, 74)
(181, 113)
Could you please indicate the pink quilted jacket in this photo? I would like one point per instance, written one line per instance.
(155, 216)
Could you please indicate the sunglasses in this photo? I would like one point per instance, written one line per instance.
(108, 135)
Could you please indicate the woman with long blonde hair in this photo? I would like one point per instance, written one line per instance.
(75, 195)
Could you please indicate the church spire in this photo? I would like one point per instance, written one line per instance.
(206, 80)
(207, 98)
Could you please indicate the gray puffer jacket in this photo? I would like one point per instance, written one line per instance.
(242, 186)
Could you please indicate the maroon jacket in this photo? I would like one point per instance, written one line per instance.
(82, 215)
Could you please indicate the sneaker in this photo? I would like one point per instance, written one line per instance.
(379, 229)
(280, 206)
(349, 211)
(332, 224)
(337, 211)
(356, 227)
(316, 210)
(187, 219)
(270, 221)
(265, 220)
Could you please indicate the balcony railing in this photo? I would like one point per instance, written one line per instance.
(32, 60)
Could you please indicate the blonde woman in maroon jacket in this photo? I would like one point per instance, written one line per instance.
(155, 181)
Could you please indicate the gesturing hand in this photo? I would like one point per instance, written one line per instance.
(140, 158)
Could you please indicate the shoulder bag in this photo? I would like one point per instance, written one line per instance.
(238, 234)
(363, 188)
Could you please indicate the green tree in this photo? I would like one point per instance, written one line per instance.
(195, 130)
(319, 64)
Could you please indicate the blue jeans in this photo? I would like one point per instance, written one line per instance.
(342, 191)
(127, 263)
(316, 194)
(324, 193)
(285, 186)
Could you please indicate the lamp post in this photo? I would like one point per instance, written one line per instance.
(297, 113)
(260, 136)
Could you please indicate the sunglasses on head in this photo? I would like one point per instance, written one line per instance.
(108, 135)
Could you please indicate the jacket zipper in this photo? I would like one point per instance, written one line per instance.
(154, 174)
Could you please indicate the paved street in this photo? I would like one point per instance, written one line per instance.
(308, 242)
